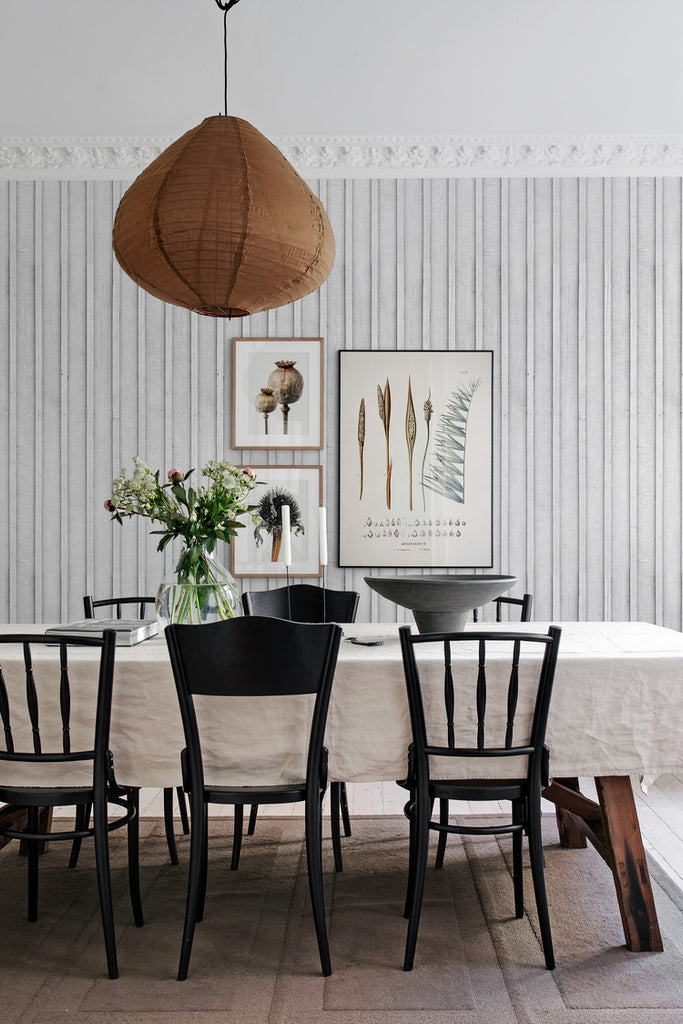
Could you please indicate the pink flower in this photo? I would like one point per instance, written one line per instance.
(110, 507)
(248, 471)
(175, 476)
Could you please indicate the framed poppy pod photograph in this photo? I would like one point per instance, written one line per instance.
(277, 393)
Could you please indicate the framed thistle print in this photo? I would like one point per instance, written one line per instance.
(415, 465)
(259, 550)
(277, 392)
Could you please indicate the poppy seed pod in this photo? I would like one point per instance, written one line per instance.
(286, 382)
(266, 401)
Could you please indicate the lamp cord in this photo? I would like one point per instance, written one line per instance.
(225, 7)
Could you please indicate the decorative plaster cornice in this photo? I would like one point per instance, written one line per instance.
(368, 156)
(472, 155)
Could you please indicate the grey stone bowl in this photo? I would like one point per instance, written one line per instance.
(441, 604)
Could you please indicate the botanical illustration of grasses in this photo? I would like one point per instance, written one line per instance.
(411, 430)
(384, 404)
(447, 469)
(361, 441)
(427, 409)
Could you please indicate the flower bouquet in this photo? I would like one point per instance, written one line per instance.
(201, 589)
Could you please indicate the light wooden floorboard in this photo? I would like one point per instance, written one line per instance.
(365, 798)
(659, 804)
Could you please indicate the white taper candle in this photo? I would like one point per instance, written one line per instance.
(286, 544)
(322, 534)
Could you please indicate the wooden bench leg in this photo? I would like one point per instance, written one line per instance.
(629, 865)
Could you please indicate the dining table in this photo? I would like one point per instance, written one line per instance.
(616, 712)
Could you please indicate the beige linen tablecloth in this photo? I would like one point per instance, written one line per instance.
(616, 708)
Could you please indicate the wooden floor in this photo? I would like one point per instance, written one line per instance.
(660, 811)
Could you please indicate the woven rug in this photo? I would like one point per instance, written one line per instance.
(255, 956)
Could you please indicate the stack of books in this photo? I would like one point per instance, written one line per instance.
(128, 631)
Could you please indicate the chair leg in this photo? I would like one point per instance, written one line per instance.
(344, 808)
(204, 867)
(82, 820)
(517, 860)
(133, 796)
(409, 811)
(538, 876)
(314, 861)
(237, 836)
(196, 885)
(443, 836)
(182, 808)
(423, 808)
(100, 811)
(32, 850)
(334, 824)
(168, 825)
(253, 812)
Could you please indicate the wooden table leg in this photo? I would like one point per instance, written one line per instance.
(15, 818)
(629, 865)
(571, 836)
(612, 827)
(12, 817)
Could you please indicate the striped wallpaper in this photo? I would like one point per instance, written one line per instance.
(574, 283)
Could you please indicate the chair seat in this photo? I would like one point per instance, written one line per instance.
(478, 789)
(45, 796)
(256, 794)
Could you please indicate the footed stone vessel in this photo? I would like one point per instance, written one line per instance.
(441, 604)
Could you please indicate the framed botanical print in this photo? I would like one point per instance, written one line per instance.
(277, 393)
(258, 551)
(415, 464)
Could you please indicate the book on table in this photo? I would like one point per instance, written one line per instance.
(128, 631)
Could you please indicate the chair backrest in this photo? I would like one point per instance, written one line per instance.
(525, 604)
(89, 605)
(43, 722)
(484, 699)
(302, 602)
(254, 656)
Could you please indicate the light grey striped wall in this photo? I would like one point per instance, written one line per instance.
(576, 285)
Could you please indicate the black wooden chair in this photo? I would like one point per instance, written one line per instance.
(525, 604)
(302, 602)
(67, 766)
(129, 604)
(477, 723)
(254, 657)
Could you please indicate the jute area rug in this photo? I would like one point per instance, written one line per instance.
(255, 957)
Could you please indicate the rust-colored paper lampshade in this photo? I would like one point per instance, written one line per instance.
(222, 224)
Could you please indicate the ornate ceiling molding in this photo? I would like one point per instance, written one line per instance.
(368, 156)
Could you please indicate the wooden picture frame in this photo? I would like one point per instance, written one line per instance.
(253, 549)
(277, 406)
(416, 459)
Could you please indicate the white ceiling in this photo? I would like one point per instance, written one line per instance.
(359, 67)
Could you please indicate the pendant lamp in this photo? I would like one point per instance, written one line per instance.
(222, 224)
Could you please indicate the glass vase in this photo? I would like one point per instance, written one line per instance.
(200, 590)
